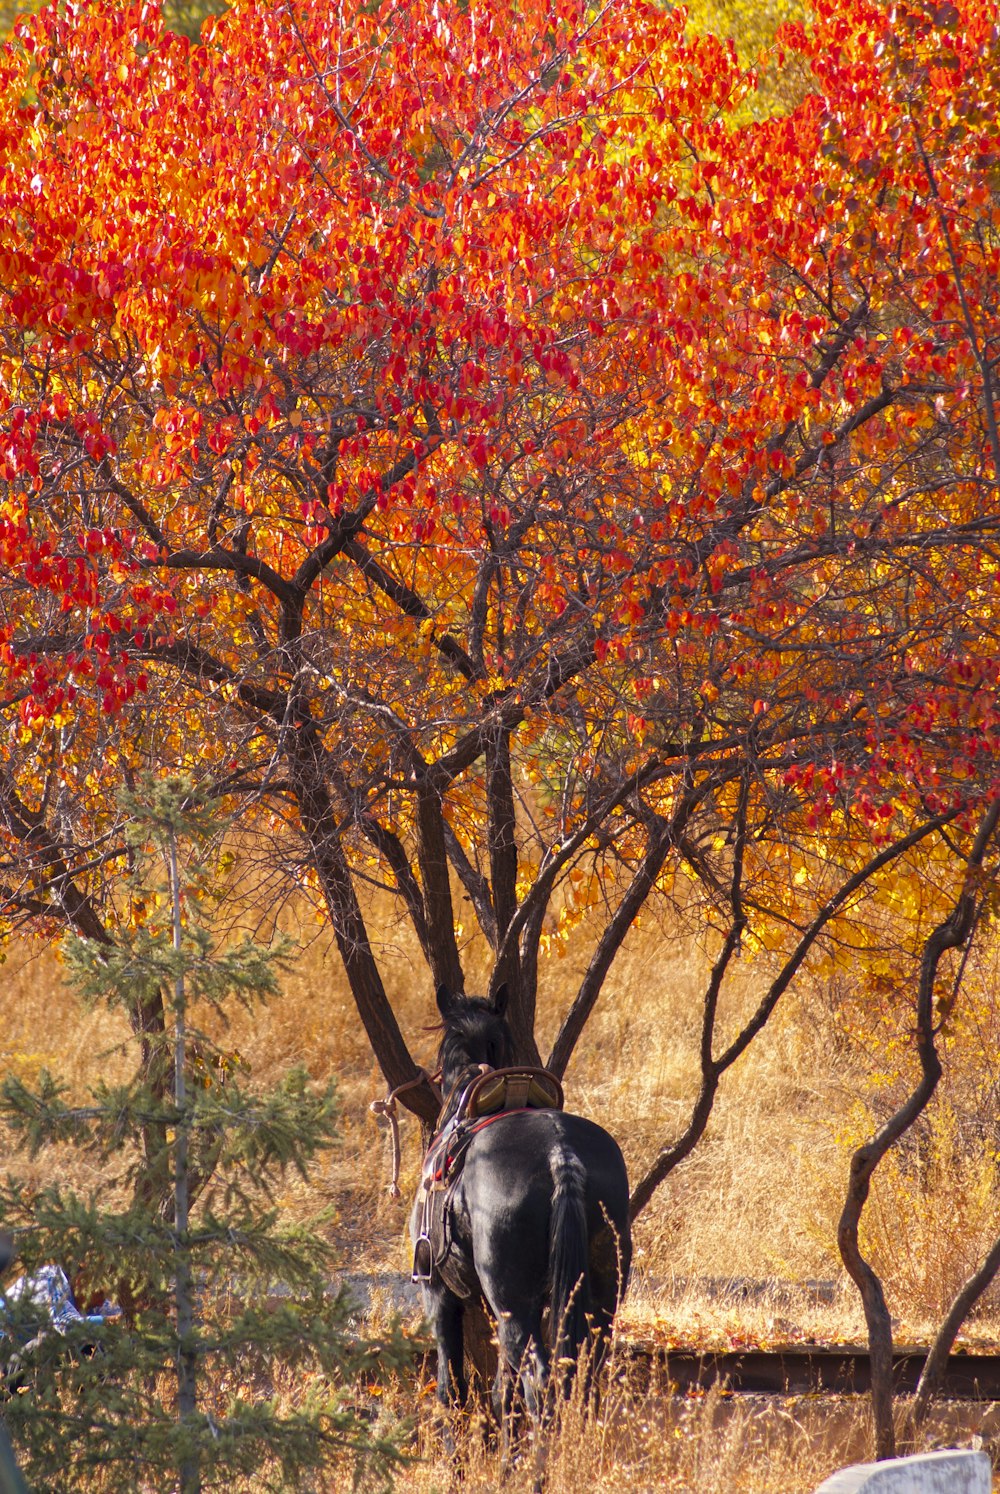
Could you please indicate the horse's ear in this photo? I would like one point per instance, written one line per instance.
(501, 996)
(446, 1002)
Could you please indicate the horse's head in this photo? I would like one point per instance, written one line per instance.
(476, 1036)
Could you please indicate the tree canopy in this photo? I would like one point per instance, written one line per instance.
(503, 466)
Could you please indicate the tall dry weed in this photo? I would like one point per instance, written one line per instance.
(643, 1442)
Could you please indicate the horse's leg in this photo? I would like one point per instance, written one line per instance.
(444, 1312)
(522, 1359)
(503, 1410)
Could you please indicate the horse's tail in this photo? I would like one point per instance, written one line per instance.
(569, 1275)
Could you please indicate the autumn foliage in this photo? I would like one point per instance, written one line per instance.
(507, 460)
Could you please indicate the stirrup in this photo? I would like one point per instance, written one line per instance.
(423, 1259)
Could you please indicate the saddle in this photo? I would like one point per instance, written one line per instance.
(484, 1100)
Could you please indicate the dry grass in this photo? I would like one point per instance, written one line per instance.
(642, 1442)
(757, 1202)
(645, 1441)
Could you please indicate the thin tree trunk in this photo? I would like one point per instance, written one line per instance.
(514, 965)
(936, 1362)
(531, 933)
(670, 1156)
(445, 961)
(187, 1357)
(711, 1068)
(502, 842)
(949, 934)
(321, 827)
(877, 1318)
(660, 839)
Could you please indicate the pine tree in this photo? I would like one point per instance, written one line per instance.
(160, 1400)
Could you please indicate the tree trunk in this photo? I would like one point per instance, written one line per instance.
(184, 1289)
(936, 1362)
(480, 1349)
(660, 839)
(321, 827)
(949, 934)
(877, 1317)
(446, 964)
(501, 833)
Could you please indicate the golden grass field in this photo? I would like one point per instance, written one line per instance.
(758, 1200)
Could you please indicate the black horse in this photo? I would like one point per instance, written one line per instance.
(536, 1226)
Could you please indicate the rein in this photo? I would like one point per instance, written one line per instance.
(387, 1110)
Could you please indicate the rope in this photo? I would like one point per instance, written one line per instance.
(387, 1110)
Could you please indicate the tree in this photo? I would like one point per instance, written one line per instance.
(195, 1240)
(506, 472)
